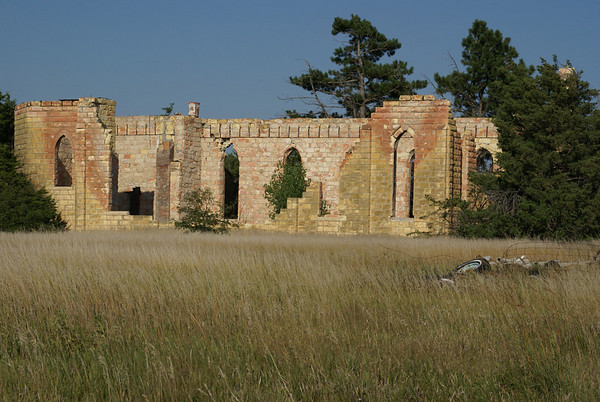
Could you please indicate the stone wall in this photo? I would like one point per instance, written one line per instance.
(367, 187)
(376, 175)
(322, 145)
(374, 193)
(93, 161)
(38, 127)
(88, 126)
(475, 134)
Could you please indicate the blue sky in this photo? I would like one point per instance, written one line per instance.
(234, 57)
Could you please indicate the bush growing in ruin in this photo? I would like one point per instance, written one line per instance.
(288, 181)
(200, 213)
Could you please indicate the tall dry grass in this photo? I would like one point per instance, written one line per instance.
(164, 315)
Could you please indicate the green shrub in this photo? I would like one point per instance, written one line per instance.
(200, 213)
(22, 207)
(288, 181)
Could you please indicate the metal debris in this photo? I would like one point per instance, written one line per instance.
(526, 263)
(478, 264)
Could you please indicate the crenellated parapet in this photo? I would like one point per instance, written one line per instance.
(282, 128)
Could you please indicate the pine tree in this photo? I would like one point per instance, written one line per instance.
(7, 119)
(490, 61)
(361, 82)
(550, 137)
(548, 184)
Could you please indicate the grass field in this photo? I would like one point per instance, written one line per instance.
(164, 315)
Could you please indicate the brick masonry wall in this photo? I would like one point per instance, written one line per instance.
(137, 141)
(429, 120)
(418, 124)
(475, 133)
(38, 127)
(89, 126)
(189, 154)
(162, 195)
(350, 162)
(322, 145)
(175, 178)
(93, 173)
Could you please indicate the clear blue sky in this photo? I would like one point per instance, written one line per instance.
(234, 57)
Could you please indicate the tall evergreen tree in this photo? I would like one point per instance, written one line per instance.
(490, 61)
(550, 137)
(7, 119)
(548, 184)
(362, 81)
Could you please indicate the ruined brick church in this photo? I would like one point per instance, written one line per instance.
(374, 175)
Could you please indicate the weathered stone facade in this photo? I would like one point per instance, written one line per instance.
(374, 174)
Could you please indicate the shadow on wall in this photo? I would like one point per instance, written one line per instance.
(136, 202)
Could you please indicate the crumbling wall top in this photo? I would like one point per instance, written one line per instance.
(66, 103)
(479, 126)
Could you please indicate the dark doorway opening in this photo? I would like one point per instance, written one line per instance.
(135, 196)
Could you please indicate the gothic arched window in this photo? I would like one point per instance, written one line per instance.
(293, 157)
(411, 185)
(231, 165)
(485, 161)
(402, 176)
(63, 163)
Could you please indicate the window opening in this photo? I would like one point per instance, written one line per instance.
(231, 166)
(63, 163)
(293, 158)
(485, 161)
(403, 151)
(395, 178)
(411, 189)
